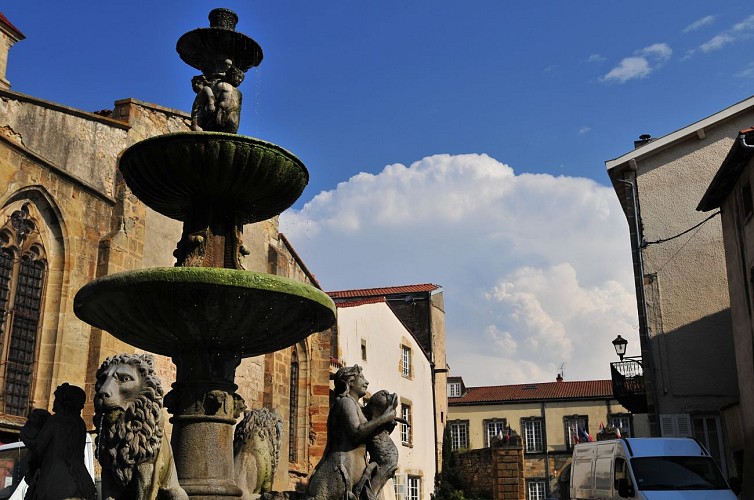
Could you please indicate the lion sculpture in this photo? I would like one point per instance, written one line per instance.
(136, 458)
(256, 451)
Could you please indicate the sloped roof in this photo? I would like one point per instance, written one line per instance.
(586, 389)
(668, 140)
(360, 302)
(725, 179)
(9, 26)
(381, 292)
(299, 260)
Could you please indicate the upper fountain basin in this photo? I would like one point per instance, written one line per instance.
(165, 310)
(178, 174)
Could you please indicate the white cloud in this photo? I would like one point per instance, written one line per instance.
(716, 43)
(699, 23)
(536, 269)
(629, 69)
(660, 52)
(641, 64)
(747, 72)
(584, 130)
(741, 30)
(595, 58)
(503, 341)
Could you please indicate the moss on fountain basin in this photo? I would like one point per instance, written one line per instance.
(178, 174)
(162, 310)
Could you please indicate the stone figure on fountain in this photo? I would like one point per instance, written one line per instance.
(217, 106)
(56, 449)
(256, 451)
(223, 56)
(343, 473)
(136, 458)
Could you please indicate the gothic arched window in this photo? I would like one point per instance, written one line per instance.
(293, 413)
(22, 278)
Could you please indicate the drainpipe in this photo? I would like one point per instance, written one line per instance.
(544, 444)
(432, 372)
(647, 357)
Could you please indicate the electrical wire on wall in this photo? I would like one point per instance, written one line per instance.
(645, 244)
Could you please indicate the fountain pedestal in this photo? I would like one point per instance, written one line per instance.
(205, 408)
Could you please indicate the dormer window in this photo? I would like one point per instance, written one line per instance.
(454, 390)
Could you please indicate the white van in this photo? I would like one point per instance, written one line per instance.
(13, 468)
(646, 468)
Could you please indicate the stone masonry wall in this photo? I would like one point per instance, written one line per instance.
(476, 472)
(493, 473)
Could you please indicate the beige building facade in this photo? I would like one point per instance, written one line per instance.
(397, 335)
(550, 418)
(681, 282)
(66, 218)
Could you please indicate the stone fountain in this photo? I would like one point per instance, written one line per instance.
(207, 313)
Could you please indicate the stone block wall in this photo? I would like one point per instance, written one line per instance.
(476, 472)
(493, 473)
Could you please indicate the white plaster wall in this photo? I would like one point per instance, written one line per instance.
(384, 334)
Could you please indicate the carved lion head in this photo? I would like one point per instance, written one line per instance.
(128, 414)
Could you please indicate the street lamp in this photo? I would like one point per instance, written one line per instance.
(620, 346)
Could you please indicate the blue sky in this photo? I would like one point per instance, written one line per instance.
(459, 143)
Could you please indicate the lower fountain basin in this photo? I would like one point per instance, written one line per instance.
(164, 310)
(247, 178)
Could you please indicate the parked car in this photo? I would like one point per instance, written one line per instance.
(13, 467)
(647, 469)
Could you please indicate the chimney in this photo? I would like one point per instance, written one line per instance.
(643, 139)
(559, 378)
(9, 35)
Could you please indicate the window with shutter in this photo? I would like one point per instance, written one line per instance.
(675, 425)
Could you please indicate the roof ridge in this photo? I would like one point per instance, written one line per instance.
(386, 290)
(361, 302)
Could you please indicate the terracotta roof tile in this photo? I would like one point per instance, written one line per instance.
(381, 292)
(360, 302)
(535, 392)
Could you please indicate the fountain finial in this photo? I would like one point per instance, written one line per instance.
(223, 18)
(223, 55)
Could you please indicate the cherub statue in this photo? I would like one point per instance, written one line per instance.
(217, 106)
(383, 454)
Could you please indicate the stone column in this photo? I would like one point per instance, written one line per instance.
(508, 470)
(205, 409)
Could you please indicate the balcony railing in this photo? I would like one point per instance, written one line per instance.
(628, 384)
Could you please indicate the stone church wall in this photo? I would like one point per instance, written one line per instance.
(65, 162)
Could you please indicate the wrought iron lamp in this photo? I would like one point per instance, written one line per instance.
(620, 346)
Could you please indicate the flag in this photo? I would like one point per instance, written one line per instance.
(617, 432)
(584, 435)
(575, 436)
(602, 427)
